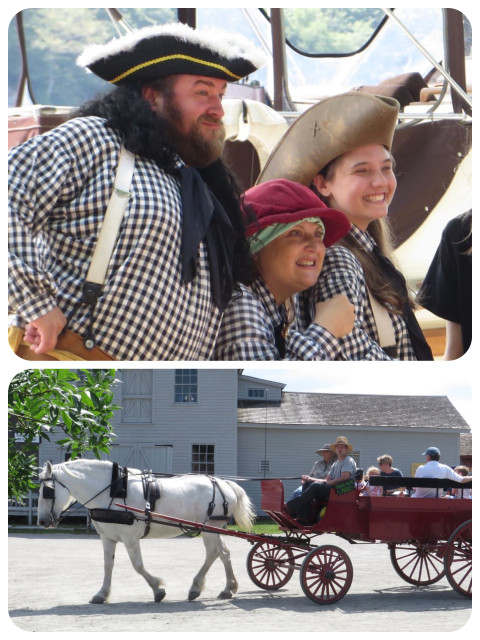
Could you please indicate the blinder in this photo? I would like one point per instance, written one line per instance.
(48, 493)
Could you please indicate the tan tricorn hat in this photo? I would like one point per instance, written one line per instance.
(329, 129)
(341, 440)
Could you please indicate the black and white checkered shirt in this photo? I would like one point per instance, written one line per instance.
(60, 184)
(248, 326)
(343, 273)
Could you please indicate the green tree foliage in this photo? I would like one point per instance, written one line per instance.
(55, 38)
(51, 403)
(331, 30)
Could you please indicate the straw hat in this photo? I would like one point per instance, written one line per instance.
(329, 129)
(341, 440)
(153, 52)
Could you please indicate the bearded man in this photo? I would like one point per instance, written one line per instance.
(180, 248)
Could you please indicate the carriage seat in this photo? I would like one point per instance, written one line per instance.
(406, 88)
(409, 483)
(273, 502)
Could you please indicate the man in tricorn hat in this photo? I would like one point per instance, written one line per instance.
(343, 469)
(181, 246)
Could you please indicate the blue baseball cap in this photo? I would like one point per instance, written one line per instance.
(431, 451)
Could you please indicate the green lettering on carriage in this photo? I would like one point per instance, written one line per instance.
(344, 487)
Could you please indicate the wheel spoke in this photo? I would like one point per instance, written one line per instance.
(270, 566)
(326, 574)
(458, 560)
(418, 564)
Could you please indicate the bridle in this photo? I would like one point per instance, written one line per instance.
(48, 493)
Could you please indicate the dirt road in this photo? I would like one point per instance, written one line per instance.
(52, 578)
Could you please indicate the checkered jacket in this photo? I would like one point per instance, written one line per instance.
(60, 184)
(343, 273)
(248, 326)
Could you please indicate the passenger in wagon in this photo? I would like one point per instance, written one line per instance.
(288, 228)
(368, 489)
(385, 463)
(342, 470)
(340, 147)
(455, 492)
(320, 469)
(433, 468)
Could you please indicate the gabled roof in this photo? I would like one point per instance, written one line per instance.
(332, 409)
(263, 382)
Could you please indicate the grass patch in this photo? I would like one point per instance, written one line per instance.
(261, 526)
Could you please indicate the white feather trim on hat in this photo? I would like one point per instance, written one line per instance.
(217, 40)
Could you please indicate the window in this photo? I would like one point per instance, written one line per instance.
(356, 456)
(137, 395)
(203, 458)
(256, 393)
(186, 385)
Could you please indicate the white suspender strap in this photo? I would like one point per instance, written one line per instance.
(113, 218)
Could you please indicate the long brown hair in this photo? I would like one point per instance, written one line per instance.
(378, 284)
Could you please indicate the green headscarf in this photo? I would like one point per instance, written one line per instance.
(263, 237)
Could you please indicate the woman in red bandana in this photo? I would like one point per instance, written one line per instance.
(288, 228)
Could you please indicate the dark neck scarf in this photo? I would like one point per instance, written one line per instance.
(204, 218)
(420, 346)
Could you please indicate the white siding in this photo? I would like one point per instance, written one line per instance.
(166, 439)
(272, 390)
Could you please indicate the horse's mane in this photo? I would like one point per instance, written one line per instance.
(71, 467)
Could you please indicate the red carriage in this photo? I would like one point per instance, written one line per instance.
(428, 538)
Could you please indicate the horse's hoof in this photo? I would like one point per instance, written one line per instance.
(193, 595)
(225, 595)
(98, 600)
(160, 595)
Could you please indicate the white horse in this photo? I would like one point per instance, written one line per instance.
(185, 497)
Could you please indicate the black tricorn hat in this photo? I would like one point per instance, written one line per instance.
(153, 52)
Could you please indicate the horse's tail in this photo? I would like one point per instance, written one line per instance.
(244, 512)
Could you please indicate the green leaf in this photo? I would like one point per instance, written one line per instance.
(69, 408)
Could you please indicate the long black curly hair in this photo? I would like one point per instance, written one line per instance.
(143, 131)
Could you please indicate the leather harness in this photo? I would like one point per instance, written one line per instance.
(151, 493)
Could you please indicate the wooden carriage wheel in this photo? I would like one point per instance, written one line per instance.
(270, 566)
(326, 574)
(458, 559)
(418, 563)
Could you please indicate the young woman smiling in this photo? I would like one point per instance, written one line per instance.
(345, 144)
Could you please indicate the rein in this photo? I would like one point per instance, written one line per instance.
(49, 494)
